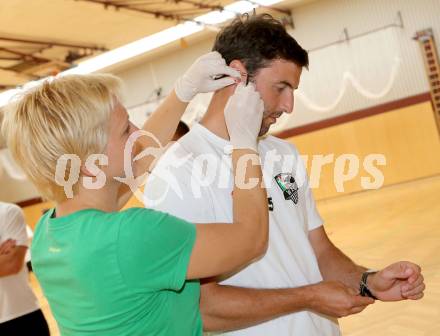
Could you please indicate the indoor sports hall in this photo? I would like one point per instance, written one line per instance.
(365, 121)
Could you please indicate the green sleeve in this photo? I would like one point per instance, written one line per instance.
(154, 249)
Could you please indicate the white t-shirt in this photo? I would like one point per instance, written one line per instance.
(193, 180)
(16, 297)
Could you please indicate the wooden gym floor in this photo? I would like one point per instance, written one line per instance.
(376, 228)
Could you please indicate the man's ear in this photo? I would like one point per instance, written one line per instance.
(238, 65)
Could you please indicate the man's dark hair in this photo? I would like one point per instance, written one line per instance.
(257, 40)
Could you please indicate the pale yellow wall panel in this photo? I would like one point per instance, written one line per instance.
(134, 202)
(407, 137)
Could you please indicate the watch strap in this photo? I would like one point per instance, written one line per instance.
(363, 288)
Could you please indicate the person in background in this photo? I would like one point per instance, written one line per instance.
(19, 308)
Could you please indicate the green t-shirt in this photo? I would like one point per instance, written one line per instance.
(120, 273)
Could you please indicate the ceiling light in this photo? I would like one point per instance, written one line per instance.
(152, 42)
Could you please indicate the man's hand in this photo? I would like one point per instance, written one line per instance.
(335, 299)
(7, 246)
(399, 281)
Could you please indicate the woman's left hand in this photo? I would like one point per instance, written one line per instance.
(201, 77)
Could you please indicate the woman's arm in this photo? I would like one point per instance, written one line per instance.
(162, 124)
(160, 127)
(222, 248)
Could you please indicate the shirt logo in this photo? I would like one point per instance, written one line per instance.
(288, 186)
(270, 203)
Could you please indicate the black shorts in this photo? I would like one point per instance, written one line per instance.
(32, 324)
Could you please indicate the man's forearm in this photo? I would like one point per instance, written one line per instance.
(230, 308)
(335, 265)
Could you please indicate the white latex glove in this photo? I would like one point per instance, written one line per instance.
(243, 116)
(199, 78)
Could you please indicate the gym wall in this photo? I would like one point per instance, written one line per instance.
(376, 65)
(406, 137)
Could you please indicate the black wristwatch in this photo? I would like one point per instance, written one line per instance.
(363, 288)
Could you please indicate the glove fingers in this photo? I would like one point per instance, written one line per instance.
(227, 70)
(221, 83)
(212, 55)
(243, 114)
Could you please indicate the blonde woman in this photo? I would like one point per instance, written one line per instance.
(132, 272)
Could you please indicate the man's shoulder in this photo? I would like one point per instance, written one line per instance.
(190, 144)
(271, 142)
(180, 151)
(173, 168)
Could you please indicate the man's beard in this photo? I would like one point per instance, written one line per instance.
(263, 129)
(266, 126)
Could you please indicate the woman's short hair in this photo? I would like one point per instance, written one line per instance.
(64, 115)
